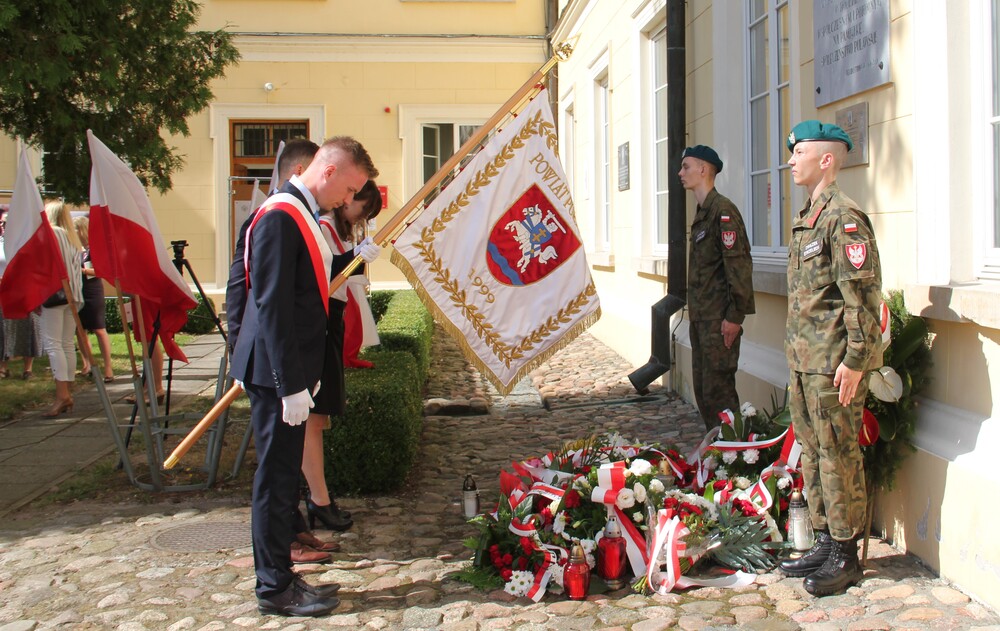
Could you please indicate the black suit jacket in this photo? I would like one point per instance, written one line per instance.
(281, 334)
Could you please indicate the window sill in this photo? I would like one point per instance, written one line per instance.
(958, 302)
(651, 265)
(770, 278)
(603, 260)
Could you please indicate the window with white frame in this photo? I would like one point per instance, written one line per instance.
(769, 118)
(659, 107)
(602, 136)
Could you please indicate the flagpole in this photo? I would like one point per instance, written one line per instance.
(392, 227)
(81, 335)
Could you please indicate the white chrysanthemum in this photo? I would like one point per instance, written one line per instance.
(784, 483)
(626, 499)
(557, 573)
(751, 456)
(742, 482)
(640, 492)
(640, 467)
(729, 457)
(559, 523)
(710, 462)
(519, 584)
(656, 486)
(637, 517)
(748, 410)
(721, 473)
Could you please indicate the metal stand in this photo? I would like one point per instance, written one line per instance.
(156, 427)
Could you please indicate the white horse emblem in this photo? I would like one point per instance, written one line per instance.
(532, 233)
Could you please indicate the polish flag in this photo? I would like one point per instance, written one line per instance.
(34, 263)
(126, 246)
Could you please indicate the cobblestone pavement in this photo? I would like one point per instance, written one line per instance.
(187, 565)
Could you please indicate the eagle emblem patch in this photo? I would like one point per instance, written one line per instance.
(856, 254)
(729, 239)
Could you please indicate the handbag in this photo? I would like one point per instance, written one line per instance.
(55, 300)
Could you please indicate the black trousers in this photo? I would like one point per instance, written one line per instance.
(275, 490)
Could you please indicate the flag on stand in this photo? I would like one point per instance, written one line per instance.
(35, 266)
(497, 256)
(126, 246)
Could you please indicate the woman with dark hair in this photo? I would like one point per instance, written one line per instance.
(92, 314)
(342, 228)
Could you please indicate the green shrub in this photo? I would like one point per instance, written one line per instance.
(407, 326)
(379, 302)
(372, 447)
(199, 319)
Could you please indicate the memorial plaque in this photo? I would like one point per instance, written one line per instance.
(854, 120)
(851, 47)
(623, 182)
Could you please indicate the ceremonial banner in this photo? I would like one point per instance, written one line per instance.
(497, 256)
(126, 245)
(35, 266)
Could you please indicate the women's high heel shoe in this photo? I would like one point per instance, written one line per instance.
(327, 517)
(66, 405)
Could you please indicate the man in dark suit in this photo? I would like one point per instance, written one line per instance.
(278, 354)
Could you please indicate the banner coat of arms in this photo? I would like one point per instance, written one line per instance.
(497, 256)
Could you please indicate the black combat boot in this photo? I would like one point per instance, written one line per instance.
(839, 572)
(812, 559)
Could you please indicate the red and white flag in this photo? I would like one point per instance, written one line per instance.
(35, 267)
(126, 246)
(497, 256)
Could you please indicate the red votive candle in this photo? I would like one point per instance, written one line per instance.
(576, 576)
(611, 555)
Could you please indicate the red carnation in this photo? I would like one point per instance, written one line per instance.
(571, 499)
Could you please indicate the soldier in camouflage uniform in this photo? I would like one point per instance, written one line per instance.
(832, 340)
(720, 286)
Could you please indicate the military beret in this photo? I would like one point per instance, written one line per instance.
(813, 130)
(706, 153)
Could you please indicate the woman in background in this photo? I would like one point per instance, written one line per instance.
(92, 313)
(58, 324)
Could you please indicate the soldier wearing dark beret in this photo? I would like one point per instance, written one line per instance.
(720, 286)
(832, 341)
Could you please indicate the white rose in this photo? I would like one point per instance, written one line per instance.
(626, 499)
(729, 457)
(656, 486)
(748, 410)
(742, 483)
(640, 492)
(637, 517)
(640, 467)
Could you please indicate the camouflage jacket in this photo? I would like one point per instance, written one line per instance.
(834, 288)
(720, 270)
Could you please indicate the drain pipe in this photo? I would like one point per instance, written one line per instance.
(661, 313)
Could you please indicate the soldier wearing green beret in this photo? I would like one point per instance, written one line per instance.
(720, 286)
(832, 340)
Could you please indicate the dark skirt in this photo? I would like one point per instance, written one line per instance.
(92, 314)
(332, 396)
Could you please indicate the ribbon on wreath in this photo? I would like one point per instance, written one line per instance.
(610, 481)
(669, 533)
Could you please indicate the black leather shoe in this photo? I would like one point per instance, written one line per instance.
(297, 601)
(323, 591)
(812, 559)
(346, 514)
(326, 516)
(840, 571)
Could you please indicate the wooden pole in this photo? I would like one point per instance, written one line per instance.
(202, 426)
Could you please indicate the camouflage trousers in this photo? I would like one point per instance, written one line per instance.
(832, 466)
(713, 370)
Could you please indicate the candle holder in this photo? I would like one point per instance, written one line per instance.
(611, 555)
(800, 526)
(470, 497)
(576, 576)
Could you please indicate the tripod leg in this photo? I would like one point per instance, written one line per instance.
(201, 292)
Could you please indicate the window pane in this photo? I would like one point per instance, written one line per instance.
(662, 166)
(660, 59)
(758, 58)
(760, 141)
(785, 209)
(784, 118)
(996, 185)
(756, 9)
(661, 219)
(761, 211)
(783, 44)
(996, 58)
(660, 105)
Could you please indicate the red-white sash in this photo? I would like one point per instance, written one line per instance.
(319, 252)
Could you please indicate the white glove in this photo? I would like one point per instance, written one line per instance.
(237, 382)
(295, 407)
(367, 250)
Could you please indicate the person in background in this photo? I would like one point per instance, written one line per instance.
(720, 286)
(832, 340)
(19, 337)
(337, 227)
(92, 314)
(58, 323)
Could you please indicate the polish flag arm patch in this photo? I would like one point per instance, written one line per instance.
(725, 218)
(850, 227)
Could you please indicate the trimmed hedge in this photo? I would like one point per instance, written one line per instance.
(199, 319)
(371, 448)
